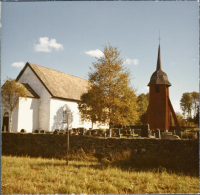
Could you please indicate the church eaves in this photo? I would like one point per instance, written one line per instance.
(159, 77)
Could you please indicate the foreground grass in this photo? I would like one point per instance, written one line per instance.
(24, 175)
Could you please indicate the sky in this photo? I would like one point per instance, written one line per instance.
(69, 36)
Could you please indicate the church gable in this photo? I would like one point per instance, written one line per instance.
(58, 84)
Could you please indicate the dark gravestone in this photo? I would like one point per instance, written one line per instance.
(157, 133)
(145, 131)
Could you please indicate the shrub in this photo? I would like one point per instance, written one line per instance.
(23, 131)
(102, 131)
(192, 136)
(185, 135)
(42, 131)
(37, 131)
(56, 131)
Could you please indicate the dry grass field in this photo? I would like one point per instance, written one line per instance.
(24, 175)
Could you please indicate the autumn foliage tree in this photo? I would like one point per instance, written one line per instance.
(186, 103)
(110, 97)
(10, 93)
(143, 102)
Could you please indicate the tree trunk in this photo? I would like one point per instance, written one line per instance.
(10, 126)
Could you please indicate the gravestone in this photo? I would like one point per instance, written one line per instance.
(145, 131)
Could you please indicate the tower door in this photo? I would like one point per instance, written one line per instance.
(5, 123)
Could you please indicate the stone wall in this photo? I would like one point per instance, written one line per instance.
(171, 153)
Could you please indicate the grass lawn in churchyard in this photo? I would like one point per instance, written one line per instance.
(24, 175)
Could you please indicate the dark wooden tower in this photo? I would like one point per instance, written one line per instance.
(160, 111)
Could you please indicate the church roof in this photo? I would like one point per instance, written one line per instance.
(159, 77)
(58, 84)
(30, 92)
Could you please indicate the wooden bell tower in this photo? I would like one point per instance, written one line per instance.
(160, 111)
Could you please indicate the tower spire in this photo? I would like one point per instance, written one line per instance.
(159, 60)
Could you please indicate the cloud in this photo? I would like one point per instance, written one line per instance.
(18, 64)
(145, 89)
(129, 61)
(95, 53)
(47, 45)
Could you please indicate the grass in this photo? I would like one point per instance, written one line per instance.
(24, 175)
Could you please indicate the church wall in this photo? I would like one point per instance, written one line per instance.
(28, 114)
(44, 102)
(56, 115)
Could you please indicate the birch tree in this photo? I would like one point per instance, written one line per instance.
(10, 93)
(110, 96)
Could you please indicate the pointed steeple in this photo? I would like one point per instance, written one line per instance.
(159, 60)
(159, 77)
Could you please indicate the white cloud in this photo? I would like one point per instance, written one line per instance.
(95, 53)
(47, 45)
(145, 89)
(18, 64)
(129, 61)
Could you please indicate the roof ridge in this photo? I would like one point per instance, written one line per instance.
(57, 71)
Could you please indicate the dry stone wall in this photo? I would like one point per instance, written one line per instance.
(172, 153)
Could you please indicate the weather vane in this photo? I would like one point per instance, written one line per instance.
(159, 37)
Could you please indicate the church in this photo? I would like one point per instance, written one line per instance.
(51, 94)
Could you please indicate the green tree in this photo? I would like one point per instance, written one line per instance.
(10, 93)
(195, 101)
(143, 102)
(179, 117)
(110, 97)
(186, 103)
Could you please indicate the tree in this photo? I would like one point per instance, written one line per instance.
(10, 93)
(179, 117)
(196, 119)
(186, 103)
(110, 97)
(143, 102)
(195, 101)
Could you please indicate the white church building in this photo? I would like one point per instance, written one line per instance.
(50, 95)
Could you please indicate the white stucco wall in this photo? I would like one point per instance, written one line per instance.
(56, 116)
(44, 102)
(28, 114)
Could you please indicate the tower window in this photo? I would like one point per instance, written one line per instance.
(157, 89)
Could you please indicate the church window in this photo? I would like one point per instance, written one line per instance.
(157, 89)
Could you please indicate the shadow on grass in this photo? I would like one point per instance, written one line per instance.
(125, 166)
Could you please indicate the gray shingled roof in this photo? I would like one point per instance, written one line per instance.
(59, 84)
(159, 77)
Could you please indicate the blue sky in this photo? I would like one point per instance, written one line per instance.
(66, 36)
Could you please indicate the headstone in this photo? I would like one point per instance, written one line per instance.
(145, 131)
(157, 133)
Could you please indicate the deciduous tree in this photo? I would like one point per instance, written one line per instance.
(186, 103)
(10, 93)
(110, 97)
(195, 101)
(143, 102)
